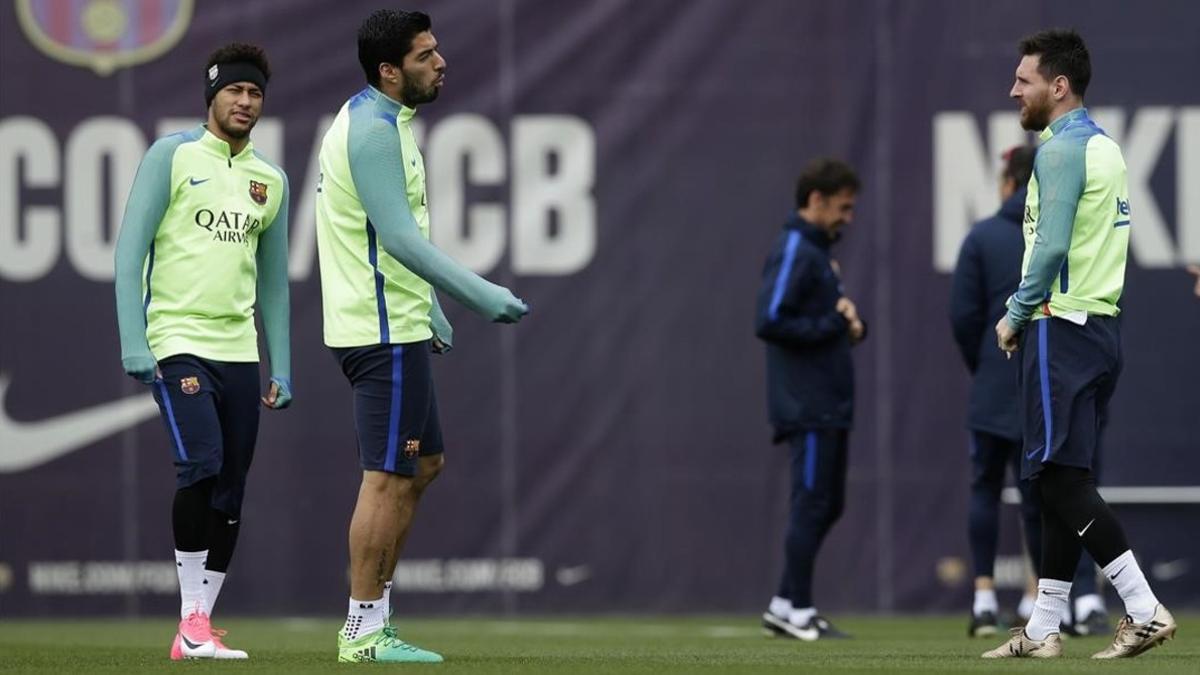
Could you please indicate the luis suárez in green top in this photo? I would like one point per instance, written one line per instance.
(1076, 225)
(205, 234)
(378, 268)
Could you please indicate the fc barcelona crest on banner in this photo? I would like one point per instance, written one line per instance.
(104, 35)
(258, 192)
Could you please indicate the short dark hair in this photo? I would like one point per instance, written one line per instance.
(386, 36)
(827, 176)
(1018, 164)
(1060, 52)
(241, 52)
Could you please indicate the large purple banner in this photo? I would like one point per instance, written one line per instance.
(623, 166)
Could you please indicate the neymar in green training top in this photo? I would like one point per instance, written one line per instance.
(379, 274)
(203, 241)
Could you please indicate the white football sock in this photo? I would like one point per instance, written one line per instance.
(212, 588)
(1048, 610)
(985, 601)
(190, 567)
(801, 617)
(387, 601)
(365, 617)
(1126, 576)
(780, 607)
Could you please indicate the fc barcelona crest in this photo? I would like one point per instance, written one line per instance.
(258, 192)
(189, 385)
(104, 35)
(412, 448)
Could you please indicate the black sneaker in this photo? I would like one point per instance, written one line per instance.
(983, 625)
(825, 629)
(1095, 623)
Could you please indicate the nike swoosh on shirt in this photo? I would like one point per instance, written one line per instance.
(1085, 527)
(25, 445)
(193, 181)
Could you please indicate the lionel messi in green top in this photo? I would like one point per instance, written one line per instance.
(1063, 319)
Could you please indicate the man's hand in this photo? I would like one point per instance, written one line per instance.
(509, 309)
(1195, 269)
(279, 396)
(849, 312)
(1006, 337)
(443, 336)
(847, 309)
(144, 369)
(857, 330)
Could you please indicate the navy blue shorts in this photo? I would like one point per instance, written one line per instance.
(1068, 374)
(210, 409)
(395, 410)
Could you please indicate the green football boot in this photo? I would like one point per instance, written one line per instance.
(382, 646)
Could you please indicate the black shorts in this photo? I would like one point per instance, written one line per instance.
(1068, 374)
(210, 409)
(395, 410)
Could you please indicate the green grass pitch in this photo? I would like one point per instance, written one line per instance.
(650, 645)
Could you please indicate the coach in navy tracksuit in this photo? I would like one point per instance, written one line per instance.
(809, 327)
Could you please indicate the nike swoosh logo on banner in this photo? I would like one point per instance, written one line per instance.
(1085, 527)
(195, 182)
(24, 445)
(569, 576)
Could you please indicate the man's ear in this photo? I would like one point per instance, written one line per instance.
(1061, 87)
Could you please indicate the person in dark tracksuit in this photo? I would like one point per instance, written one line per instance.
(987, 273)
(809, 326)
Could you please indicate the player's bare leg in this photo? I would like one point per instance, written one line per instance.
(381, 516)
(428, 469)
(378, 530)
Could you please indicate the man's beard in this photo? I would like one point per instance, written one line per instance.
(412, 95)
(236, 133)
(1035, 118)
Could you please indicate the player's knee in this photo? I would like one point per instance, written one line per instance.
(1060, 485)
(821, 512)
(385, 485)
(428, 469)
(835, 511)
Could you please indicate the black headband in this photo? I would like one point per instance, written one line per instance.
(222, 75)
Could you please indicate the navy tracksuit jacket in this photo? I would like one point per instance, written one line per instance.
(810, 375)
